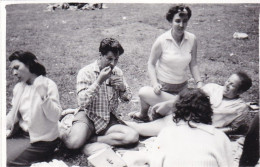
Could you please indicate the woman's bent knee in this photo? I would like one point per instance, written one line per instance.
(145, 92)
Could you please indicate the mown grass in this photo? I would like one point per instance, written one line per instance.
(65, 41)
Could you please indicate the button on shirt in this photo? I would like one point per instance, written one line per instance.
(99, 100)
(174, 60)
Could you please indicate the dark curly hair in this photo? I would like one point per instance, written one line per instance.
(110, 44)
(193, 106)
(245, 81)
(175, 9)
(30, 61)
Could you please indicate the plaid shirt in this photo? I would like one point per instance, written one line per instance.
(99, 100)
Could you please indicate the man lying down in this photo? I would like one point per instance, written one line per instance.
(229, 110)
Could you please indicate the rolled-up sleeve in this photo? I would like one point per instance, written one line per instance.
(87, 88)
(240, 119)
(125, 96)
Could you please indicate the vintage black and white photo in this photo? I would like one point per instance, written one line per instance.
(131, 84)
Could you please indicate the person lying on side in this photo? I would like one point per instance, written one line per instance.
(229, 110)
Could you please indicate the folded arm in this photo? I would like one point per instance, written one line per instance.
(165, 108)
(235, 126)
(51, 104)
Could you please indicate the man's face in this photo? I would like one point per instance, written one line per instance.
(231, 87)
(110, 59)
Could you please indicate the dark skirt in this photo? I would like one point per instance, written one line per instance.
(20, 152)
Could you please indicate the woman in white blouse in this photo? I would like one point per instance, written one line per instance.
(171, 55)
(191, 140)
(32, 123)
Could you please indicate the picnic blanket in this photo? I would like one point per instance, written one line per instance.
(133, 156)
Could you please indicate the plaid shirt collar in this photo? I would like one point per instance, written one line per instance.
(96, 67)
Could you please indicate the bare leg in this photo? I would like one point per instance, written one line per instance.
(77, 136)
(79, 133)
(149, 98)
(151, 128)
(119, 135)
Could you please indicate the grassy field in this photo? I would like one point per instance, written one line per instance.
(65, 41)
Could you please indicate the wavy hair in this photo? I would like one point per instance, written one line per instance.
(193, 106)
(245, 81)
(30, 61)
(176, 9)
(110, 44)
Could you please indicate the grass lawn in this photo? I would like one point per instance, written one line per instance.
(65, 41)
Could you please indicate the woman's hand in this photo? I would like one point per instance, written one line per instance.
(157, 89)
(163, 108)
(42, 88)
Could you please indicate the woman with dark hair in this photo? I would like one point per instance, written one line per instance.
(171, 54)
(32, 123)
(192, 140)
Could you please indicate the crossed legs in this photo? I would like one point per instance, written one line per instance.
(83, 129)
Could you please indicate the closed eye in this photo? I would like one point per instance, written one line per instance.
(177, 20)
(15, 67)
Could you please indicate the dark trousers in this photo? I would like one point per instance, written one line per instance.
(21, 153)
(250, 154)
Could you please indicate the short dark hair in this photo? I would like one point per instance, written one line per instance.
(193, 106)
(175, 9)
(30, 61)
(246, 81)
(110, 44)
